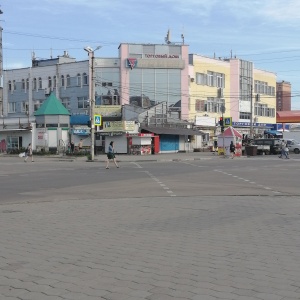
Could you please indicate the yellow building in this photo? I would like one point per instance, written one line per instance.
(247, 94)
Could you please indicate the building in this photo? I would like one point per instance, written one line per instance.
(233, 89)
(283, 96)
(143, 77)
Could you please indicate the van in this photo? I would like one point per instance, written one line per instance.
(293, 145)
(273, 143)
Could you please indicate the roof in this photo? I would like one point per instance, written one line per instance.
(172, 131)
(292, 116)
(52, 106)
(230, 131)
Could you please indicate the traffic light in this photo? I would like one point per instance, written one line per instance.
(221, 122)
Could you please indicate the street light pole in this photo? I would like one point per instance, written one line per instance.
(91, 54)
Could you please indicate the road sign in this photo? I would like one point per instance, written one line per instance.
(97, 120)
(228, 121)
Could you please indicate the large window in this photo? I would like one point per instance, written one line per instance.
(85, 79)
(68, 80)
(40, 83)
(12, 142)
(263, 110)
(34, 84)
(9, 86)
(62, 80)
(54, 82)
(211, 79)
(27, 84)
(83, 102)
(23, 84)
(66, 102)
(24, 106)
(262, 87)
(12, 107)
(78, 79)
(245, 115)
(49, 82)
(212, 105)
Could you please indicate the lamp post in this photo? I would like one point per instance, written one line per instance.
(249, 79)
(91, 53)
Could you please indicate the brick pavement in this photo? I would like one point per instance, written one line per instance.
(207, 248)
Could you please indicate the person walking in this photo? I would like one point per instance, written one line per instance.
(72, 147)
(80, 145)
(111, 155)
(283, 148)
(232, 149)
(28, 152)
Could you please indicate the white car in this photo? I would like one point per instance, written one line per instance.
(293, 145)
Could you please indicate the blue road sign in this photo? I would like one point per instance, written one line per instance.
(97, 120)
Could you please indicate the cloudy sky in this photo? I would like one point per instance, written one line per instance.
(263, 31)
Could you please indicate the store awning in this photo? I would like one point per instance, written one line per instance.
(172, 131)
(292, 116)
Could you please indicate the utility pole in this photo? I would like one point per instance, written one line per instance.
(251, 111)
(91, 53)
(1, 71)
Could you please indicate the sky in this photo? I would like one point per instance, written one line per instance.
(265, 32)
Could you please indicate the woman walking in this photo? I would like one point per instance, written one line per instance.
(111, 155)
(28, 152)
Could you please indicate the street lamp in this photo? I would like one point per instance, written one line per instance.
(249, 79)
(91, 52)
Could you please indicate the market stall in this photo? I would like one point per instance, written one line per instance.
(224, 140)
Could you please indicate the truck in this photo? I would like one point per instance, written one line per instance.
(292, 139)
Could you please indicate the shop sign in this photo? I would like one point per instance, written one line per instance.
(116, 133)
(113, 126)
(108, 110)
(247, 124)
(80, 131)
(161, 56)
(129, 125)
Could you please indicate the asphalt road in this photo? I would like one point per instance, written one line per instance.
(196, 228)
(52, 179)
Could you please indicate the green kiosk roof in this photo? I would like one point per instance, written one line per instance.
(52, 106)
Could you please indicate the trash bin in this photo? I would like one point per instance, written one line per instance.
(251, 150)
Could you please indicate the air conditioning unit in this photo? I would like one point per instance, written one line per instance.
(47, 91)
(220, 93)
(192, 79)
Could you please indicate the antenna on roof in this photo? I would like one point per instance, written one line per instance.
(168, 37)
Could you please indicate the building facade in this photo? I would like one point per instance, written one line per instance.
(232, 89)
(283, 96)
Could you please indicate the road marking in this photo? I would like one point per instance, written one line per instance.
(138, 165)
(154, 178)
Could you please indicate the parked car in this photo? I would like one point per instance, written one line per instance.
(293, 145)
(273, 143)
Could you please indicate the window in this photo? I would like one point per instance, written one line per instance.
(83, 102)
(54, 81)
(210, 78)
(62, 80)
(200, 105)
(23, 84)
(25, 106)
(245, 115)
(49, 82)
(27, 84)
(40, 83)
(9, 86)
(85, 79)
(34, 83)
(78, 79)
(68, 80)
(12, 107)
(220, 80)
(66, 102)
(37, 104)
(201, 78)
(14, 84)
(12, 142)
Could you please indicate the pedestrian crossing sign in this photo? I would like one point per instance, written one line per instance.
(228, 121)
(97, 120)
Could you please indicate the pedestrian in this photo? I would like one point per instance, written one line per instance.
(72, 147)
(286, 152)
(28, 152)
(80, 145)
(232, 149)
(283, 149)
(111, 155)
